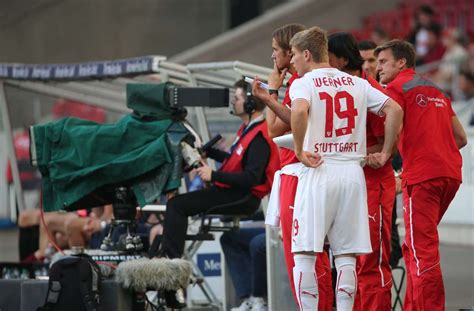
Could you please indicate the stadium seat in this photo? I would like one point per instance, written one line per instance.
(205, 233)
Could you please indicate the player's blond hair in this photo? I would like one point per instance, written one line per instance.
(315, 40)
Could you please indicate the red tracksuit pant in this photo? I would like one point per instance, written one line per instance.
(323, 268)
(424, 204)
(374, 276)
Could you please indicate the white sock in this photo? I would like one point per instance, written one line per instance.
(346, 283)
(306, 282)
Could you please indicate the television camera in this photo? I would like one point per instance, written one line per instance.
(113, 166)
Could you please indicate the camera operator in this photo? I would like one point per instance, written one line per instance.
(244, 178)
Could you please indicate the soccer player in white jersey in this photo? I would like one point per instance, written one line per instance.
(328, 121)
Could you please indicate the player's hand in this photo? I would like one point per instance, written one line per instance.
(310, 159)
(276, 77)
(205, 172)
(259, 92)
(377, 160)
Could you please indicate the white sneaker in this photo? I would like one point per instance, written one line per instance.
(259, 304)
(245, 306)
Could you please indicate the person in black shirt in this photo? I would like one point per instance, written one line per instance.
(237, 187)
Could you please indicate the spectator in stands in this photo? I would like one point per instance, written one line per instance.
(434, 46)
(467, 74)
(449, 68)
(466, 86)
(245, 257)
(469, 62)
(379, 36)
(423, 19)
(466, 83)
(366, 49)
(244, 178)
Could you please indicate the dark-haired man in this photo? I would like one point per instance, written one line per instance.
(431, 135)
(374, 278)
(366, 49)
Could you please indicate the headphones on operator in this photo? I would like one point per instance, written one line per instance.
(250, 104)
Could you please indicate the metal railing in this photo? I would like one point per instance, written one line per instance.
(109, 93)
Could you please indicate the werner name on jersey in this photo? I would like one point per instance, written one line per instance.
(341, 100)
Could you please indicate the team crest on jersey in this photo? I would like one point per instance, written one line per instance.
(421, 100)
(239, 149)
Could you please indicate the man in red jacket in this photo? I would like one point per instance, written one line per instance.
(429, 146)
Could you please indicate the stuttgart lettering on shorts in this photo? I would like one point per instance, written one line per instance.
(335, 147)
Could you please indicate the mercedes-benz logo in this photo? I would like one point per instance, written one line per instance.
(421, 100)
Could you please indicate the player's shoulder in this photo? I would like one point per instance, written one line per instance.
(304, 81)
(355, 79)
(297, 83)
(361, 81)
(398, 84)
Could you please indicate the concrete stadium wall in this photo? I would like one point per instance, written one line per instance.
(57, 31)
(76, 31)
(251, 42)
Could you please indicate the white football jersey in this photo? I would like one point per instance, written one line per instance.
(337, 112)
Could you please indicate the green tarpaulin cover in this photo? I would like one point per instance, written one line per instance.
(79, 158)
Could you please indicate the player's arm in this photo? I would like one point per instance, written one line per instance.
(276, 125)
(397, 98)
(393, 122)
(275, 81)
(376, 148)
(280, 111)
(299, 124)
(278, 116)
(379, 146)
(377, 126)
(458, 132)
(378, 102)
